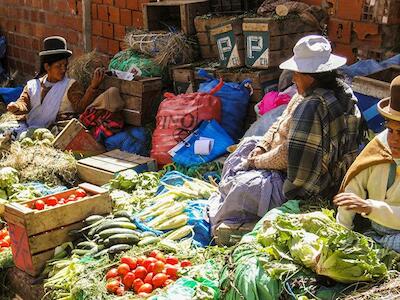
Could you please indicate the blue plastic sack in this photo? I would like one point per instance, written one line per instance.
(133, 140)
(208, 129)
(9, 95)
(362, 68)
(369, 110)
(395, 60)
(3, 46)
(234, 99)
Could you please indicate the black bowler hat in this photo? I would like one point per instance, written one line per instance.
(55, 45)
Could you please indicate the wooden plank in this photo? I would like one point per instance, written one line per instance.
(134, 87)
(115, 160)
(205, 39)
(102, 165)
(132, 117)
(209, 52)
(221, 29)
(69, 213)
(184, 74)
(255, 27)
(204, 23)
(137, 159)
(68, 134)
(39, 261)
(280, 27)
(93, 175)
(286, 41)
(51, 239)
(132, 102)
(91, 188)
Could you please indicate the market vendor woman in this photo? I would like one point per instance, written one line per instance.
(52, 96)
(308, 150)
(371, 187)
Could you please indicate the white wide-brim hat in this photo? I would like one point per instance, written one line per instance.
(313, 54)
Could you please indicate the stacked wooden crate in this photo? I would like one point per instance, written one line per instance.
(141, 97)
(365, 28)
(203, 24)
(234, 6)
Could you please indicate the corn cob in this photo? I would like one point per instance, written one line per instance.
(180, 233)
(175, 222)
(173, 211)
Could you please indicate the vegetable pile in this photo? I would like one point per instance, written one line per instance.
(40, 136)
(144, 274)
(4, 239)
(54, 201)
(316, 241)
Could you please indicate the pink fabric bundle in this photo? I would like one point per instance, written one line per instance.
(272, 100)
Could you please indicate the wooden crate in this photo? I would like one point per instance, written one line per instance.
(35, 234)
(269, 42)
(207, 43)
(231, 234)
(230, 43)
(234, 6)
(102, 168)
(185, 76)
(140, 96)
(76, 138)
(178, 14)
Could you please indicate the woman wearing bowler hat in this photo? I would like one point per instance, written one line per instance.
(51, 96)
(371, 187)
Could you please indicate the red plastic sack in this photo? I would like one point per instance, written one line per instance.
(177, 116)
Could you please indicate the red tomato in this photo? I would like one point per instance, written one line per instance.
(168, 282)
(112, 273)
(62, 201)
(171, 271)
(131, 262)
(128, 280)
(159, 279)
(154, 253)
(3, 233)
(123, 269)
(185, 263)
(145, 288)
(148, 262)
(140, 272)
(71, 197)
(149, 278)
(140, 260)
(39, 205)
(51, 201)
(112, 285)
(80, 193)
(161, 257)
(4, 244)
(137, 284)
(7, 239)
(158, 267)
(120, 291)
(151, 267)
(172, 260)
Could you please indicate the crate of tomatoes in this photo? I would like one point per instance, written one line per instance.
(38, 226)
(143, 274)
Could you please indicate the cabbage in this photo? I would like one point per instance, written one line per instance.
(8, 177)
(316, 241)
(3, 194)
(21, 193)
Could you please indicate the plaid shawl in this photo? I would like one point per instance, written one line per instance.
(324, 138)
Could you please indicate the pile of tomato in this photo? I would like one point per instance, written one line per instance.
(55, 201)
(4, 239)
(144, 274)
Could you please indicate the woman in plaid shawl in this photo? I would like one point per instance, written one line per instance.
(308, 150)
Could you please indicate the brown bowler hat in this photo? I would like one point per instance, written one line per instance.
(390, 107)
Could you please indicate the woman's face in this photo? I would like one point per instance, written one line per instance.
(303, 82)
(394, 137)
(56, 71)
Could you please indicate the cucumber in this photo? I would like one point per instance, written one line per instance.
(111, 231)
(93, 219)
(109, 225)
(119, 248)
(80, 252)
(148, 234)
(101, 253)
(86, 245)
(121, 238)
(149, 240)
(121, 219)
(123, 214)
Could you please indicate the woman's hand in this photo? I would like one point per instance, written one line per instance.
(352, 202)
(256, 152)
(97, 78)
(13, 107)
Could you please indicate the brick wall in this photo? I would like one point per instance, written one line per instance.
(26, 22)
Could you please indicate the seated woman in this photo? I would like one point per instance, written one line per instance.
(307, 151)
(371, 187)
(52, 96)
